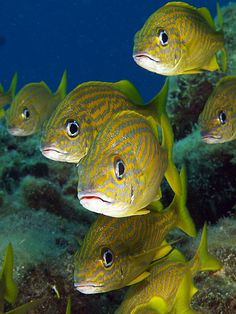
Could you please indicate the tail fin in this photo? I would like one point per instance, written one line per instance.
(203, 260)
(184, 220)
(61, 90)
(7, 284)
(12, 88)
(159, 102)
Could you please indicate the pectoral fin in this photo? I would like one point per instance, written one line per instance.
(139, 278)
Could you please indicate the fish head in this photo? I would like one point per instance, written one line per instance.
(68, 133)
(110, 182)
(217, 120)
(107, 258)
(158, 46)
(23, 118)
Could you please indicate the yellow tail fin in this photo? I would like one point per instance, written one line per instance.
(184, 220)
(203, 260)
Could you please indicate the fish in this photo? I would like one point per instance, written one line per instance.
(32, 106)
(179, 38)
(116, 252)
(121, 178)
(170, 287)
(217, 121)
(7, 97)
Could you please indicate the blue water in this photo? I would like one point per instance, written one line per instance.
(92, 39)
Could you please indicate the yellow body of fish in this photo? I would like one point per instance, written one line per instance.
(169, 288)
(178, 39)
(32, 106)
(218, 118)
(117, 251)
(123, 170)
(7, 97)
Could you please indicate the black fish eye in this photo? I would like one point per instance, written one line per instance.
(222, 117)
(72, 128)
(119, 168)
(26, 113)
(107, 257)
(163, 37)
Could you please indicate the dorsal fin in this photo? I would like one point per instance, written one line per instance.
(129, 90)
(205, 13)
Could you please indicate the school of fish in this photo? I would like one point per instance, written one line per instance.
(123, 149)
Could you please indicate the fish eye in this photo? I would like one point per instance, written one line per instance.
(107, 257)
(222, 117)
(163, 37)
(119, 168)
(72, 128)
(25, 113)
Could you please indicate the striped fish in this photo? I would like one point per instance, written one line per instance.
(117, 251)
(87, 109)
(170, 287)
(218, 118)
(7, 97)
(32, 105)
(123, 170)
(179, 39)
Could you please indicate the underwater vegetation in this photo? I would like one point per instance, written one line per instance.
(41, 216)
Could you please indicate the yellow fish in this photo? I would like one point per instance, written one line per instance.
(170, 287)
(32, 106)
(116, 252)
(7, 97)
(218, 118)
(123, 170)
(179, 39)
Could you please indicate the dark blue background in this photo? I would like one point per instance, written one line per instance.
(92, 39)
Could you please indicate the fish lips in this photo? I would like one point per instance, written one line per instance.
(142, 58)
(94, 201)
(88, 287)
(16, 131)
(53, 153)
(210, 138)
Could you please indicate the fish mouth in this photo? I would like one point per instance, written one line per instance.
(210, 138)
(94, 196)
(16, 131)
(53, 152)
(141, 57)
(95, 201)
(88, 288)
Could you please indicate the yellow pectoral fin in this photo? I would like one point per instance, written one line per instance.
(2, 113)
(143, 211)
(139, 278)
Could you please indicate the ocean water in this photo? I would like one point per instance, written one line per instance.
(93, 40)
(39, 210)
